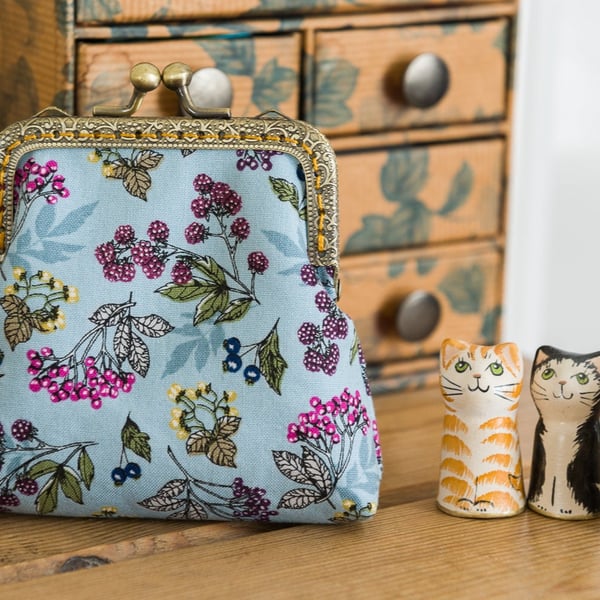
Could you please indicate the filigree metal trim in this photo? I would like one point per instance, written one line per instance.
(304, 142)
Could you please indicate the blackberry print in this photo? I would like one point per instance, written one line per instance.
(322, 352)
(36, 470)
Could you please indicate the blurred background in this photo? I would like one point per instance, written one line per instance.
(552, 277)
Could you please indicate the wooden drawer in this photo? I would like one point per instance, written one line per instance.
(263, 71)
(358, 75)
(416, 195)
(463, 281)
(140, 11)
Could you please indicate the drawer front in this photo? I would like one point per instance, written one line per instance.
(141, 11)
(416, 195)
(394, 296)
(263, 71)
(360, 73)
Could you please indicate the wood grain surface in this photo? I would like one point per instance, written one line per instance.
(409, 550)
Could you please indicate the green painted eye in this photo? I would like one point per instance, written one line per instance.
(462, 366)
(496, 368)
(582, 378)
(548, 374)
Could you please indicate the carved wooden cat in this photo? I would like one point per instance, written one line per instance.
(480, 471)
(565, 470)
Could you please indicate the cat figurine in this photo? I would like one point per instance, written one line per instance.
(565, 469)
(480, 471)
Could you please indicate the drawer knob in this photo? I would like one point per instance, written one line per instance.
(179, 77)
(417, 316)
(425, 81)
(211, 88)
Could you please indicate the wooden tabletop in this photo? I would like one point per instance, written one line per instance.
(409, 550)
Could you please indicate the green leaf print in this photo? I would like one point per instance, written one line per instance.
(408, 225)
(69, 484)
(370, 237)
(85, 467)
(47, 499)
(464, 289)
(186, 291)
(235, 310)
(270, 361)
(287, 192)
(335, 83)
(489, 327)
(214, 302)
(98, 10)
(232, 56)
(460, 188)
(404, 174)
(136, 440)
(273, 85)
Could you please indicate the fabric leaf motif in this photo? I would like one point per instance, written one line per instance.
(34, 467)
(131, 170)
(286, 191)
(34, 303)
(299, 498)
(192, 498)
(327, 434)
(136, 440)
(207, 422)
(270, 361)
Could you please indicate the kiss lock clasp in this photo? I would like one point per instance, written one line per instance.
(198, 92)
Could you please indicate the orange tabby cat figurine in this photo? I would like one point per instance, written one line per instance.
(480, 472)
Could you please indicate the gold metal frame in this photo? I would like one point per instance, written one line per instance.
(54, 129)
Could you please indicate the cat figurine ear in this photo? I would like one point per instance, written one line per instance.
(565, 469)
(480, 471)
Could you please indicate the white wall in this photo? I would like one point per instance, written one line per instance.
(553, 262)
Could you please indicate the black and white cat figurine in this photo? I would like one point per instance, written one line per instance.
(565, 470)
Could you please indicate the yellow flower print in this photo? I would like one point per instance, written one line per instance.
(349, 505)
(45, 276)
(108, 170)
(10, 290)
(71, 294)
(19, 273)
(174, 391)
(93, 157)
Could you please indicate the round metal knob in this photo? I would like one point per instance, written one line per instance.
(145, 77)
(177, 75)
(425, 81)
(211, 88)
(417, 316)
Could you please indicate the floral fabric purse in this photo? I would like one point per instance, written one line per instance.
(172, 346)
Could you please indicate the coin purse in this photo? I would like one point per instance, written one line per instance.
(172, 344)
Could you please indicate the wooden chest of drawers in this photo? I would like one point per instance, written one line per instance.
(422, 182)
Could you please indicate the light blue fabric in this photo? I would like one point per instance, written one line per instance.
(168, 350)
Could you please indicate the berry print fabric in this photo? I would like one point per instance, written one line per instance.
(169, 351)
